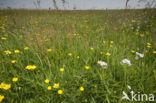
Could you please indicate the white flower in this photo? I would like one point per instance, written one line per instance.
(129, 87)
(126, 61)
(139, 54)
(136, 57)
(103, 64)
(19, 88)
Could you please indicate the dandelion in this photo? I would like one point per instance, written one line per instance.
(26, 48)
(103, 64)
(46, 81)
(137, 33)
(31, 67)
(146, 51)
(13, 61)
(61, 69)
(101, 53)
(126, 61)
(154, 52)
(148, 46)
(108, 54)
(111, 46)
(148, 43)
(49, 50)
(56, 85)
(5, 86)
(87, 67)
(132, 51)
(7, 52)
(111, 42)
(104, 42)
(142, 35)
(91, 48)
(78, 57)
(16, 51)
(3, 38)
(60, 92)
(1, 98)
(81, 89)
(15, 79)
(69, 54)
(133, 21)
(49, 88)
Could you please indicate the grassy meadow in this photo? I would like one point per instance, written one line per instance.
(76, 56)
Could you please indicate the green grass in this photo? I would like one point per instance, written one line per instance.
(76, 32)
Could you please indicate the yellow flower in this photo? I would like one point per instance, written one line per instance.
(59, 91)
(111, 45)
(3, 38)
(148, 43)
(15, 79)
(108, 54)
(132, 51)
(104, 42)
(61, 69)
(56, 85)
(7, 86)
(81, 89)
(78, 57)
(7, 52)
(133, 21)
(137, 33)
(49, 50)
(146, 51)
(69, 54)
(111, 42)
(91, 48)
(101, 53)
(13, 61)
(142, 35)
(154, 52)
(17, 51)
(49, 88)
(46, 81)
(26, 48)
(1, 98)
(87, 67)
(31, 67)
(148, 46)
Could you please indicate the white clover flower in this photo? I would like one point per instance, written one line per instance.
(126, 61)
(139, 54)
(103, 64)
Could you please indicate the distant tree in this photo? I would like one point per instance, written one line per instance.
(148, 3)
(74, 7)
(127, 3)
(55, 5)
(9, 8)
(37, 4)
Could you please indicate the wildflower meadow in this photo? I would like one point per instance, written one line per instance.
(77, 56)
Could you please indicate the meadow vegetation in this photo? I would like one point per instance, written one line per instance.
(76, 56)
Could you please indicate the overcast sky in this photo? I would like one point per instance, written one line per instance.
(79, 4)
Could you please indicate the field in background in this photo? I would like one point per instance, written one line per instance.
(57, 56)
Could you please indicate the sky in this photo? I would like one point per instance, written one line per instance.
(70, 4)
